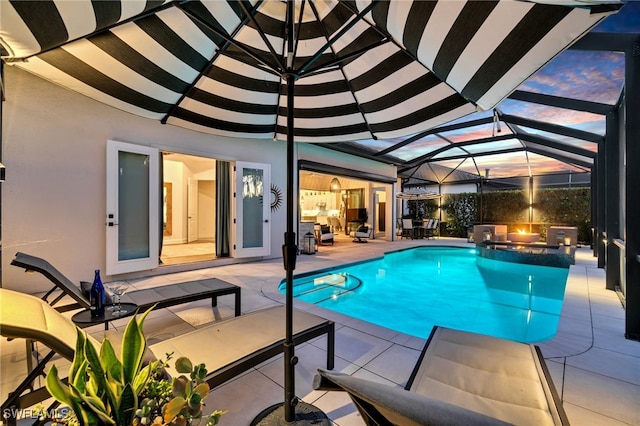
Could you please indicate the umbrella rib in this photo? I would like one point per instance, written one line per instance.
(329, 44)
(230, 40)
(206, 69)
(340, 59)
(296, 37)
(252, 18)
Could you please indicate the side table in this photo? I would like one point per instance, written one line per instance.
(84, 318)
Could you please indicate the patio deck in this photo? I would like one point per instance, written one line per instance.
(596, 371)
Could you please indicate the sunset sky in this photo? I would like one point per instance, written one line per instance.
(592, 76)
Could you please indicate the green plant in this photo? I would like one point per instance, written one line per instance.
(461, 213)
(105, 389)
(101, 388)
(178, 402)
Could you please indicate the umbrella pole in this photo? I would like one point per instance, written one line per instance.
(285, 414)
(290, 249)
(290, 254)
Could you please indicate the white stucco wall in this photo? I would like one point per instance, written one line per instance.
(54, 149)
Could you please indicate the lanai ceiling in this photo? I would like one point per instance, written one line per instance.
(551, 125)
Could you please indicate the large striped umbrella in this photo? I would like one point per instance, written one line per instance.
(361, 69)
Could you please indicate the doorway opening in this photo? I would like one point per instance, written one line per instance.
(343, 203)
(189, 209)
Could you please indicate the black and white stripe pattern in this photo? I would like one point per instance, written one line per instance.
(427, 63)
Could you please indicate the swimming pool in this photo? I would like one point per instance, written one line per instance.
(412, 290)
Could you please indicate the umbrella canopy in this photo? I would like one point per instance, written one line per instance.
(363, 69)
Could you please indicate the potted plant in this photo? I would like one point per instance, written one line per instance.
(105, 389)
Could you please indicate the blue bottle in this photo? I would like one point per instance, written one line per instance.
(97, 297)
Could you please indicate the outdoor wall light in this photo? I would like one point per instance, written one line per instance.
(335, 185)
(2, 172)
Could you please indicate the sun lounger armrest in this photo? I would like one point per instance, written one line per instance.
(381, 404)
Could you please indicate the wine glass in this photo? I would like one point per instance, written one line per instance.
(118, 291)
(111, 287)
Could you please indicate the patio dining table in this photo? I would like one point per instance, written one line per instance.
(420, 228)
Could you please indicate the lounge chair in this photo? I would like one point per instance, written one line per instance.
(361, 233)
(324, 234)
(227, 347)
(460, 378)
(161, 296)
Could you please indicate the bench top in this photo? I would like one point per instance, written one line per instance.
(174, 294)
(221, 343)
(163, 296)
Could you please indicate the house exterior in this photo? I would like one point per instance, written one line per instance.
(55, 200)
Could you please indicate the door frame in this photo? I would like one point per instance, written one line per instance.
(113, 264)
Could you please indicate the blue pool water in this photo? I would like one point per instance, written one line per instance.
(412, 290)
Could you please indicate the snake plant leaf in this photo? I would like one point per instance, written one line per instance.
(95, 370)
(79, 353)
(134, 345)
(79, 380)
(127, 405)
(57, 389)
(94, 410)
(87, 417)
(141, 379)
(110, 361)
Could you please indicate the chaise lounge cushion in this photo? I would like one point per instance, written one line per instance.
(24, 316)
(497, 379)
(227, 347)
(397, 406)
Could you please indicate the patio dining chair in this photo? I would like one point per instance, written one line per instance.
(407, 229)
(432, 228)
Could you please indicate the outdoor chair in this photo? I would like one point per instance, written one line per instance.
(227, 348)
(324, 234)
(407, 228)
(360, 234)
(461, 378)
(432, 228)
(335, 223)
(161, 296)
(399, 228)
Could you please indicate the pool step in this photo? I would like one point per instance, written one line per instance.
(331, 286)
